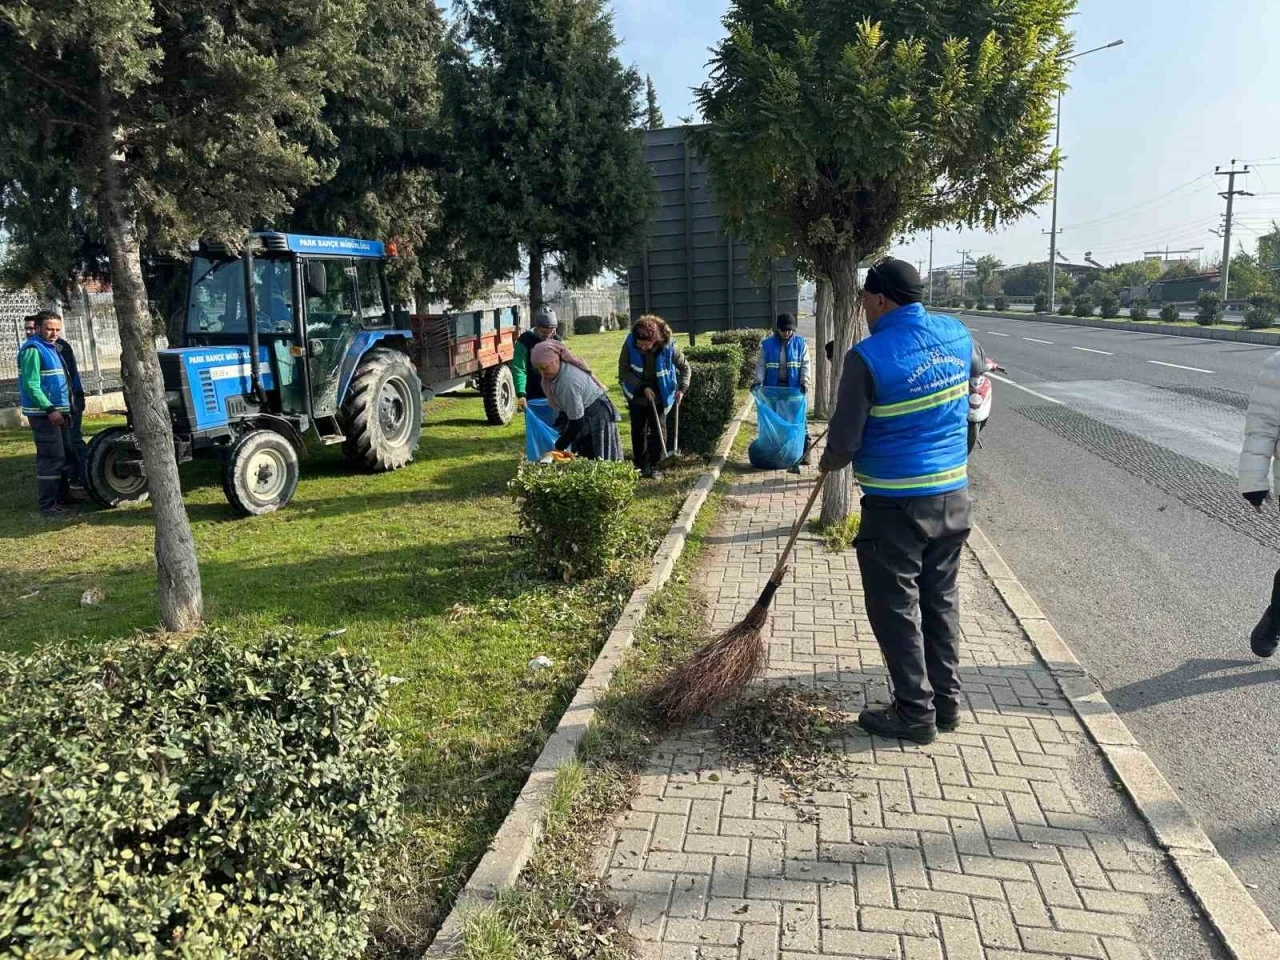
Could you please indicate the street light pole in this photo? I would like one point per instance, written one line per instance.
(1053, 227)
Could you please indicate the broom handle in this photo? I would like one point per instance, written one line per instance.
(781, 568)
(657, 418)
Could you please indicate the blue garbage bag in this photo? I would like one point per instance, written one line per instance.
(539, 433)
(782, 416)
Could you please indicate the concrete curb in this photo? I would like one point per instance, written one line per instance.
(516, 839)
(11, 418)
(1164, 329)
(1244, 929)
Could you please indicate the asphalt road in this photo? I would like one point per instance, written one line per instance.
(1107, 479)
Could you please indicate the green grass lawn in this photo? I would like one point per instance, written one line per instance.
(417, 567)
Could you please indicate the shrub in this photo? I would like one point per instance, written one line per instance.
(1169, 313)
(730, 353)
(1138, 309)
(1084, 306)
(968, 303)
(620, 320)
(709, 405)
(1066, 307)
(574, 514)
(980, 305)
(749, 341)
(1261, 311)
(1208, 308)
(1109, 306)
(588, 323)
(1002, 302)
(192, 800)
(1042, 303)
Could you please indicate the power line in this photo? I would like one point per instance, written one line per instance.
(1137, 207)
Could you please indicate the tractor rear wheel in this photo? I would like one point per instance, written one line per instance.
(261, 473)
(382, 414)
(106, 482)
(499, 389)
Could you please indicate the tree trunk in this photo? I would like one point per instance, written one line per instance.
(181, 601)
(823, 394)
(850, 326)
(535, 277)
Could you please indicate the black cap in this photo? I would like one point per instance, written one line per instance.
(895, 279)
(786, 321)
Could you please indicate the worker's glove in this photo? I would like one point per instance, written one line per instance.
(827, 463)
(1257, 498)
(521, 403)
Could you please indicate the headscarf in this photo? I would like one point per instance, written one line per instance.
(544, 351)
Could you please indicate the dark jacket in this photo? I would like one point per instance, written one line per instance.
(636, 384)
(68, 356)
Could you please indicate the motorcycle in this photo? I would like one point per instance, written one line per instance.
(980, 402)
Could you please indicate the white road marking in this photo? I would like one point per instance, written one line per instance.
(995, 334)
(1178, 366)
(1041, 396)
(1105, 353)
(1034, 340)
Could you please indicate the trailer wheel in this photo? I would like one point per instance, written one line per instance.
(382, 413)
(261, 473)
(499, 389)
(107, 484)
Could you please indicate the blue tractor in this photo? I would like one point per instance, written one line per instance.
(294, 336)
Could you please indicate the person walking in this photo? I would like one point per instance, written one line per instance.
(901, 420)
(529, 387)
(45, 392)
(1258, 461)
(590, 421)
(784, 361)
(653, 372)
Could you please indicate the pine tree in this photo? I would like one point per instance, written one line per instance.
(654, 111)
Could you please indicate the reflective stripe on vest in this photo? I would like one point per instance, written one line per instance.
(922, 403)
(775, 361)
(946, 477)
(53, 379)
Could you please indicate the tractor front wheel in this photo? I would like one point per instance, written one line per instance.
(261, 473)
(382, 414)
(499, 389)
(107, 483)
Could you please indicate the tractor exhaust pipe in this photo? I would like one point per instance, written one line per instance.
(251, 312)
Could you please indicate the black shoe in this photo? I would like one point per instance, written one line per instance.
(807, 459)
(55, 513)
(887, 722)
(794, 468)
(655, 474)
(646, 473)
(948, 722)
(1265, 637)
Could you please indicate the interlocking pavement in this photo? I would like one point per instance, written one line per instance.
(1005, 839)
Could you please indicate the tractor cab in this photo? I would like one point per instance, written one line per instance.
(292, 336)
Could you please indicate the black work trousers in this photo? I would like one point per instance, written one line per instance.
(55, 460)
(646, 443)
(909, 553)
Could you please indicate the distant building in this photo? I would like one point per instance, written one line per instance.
(1184, 289)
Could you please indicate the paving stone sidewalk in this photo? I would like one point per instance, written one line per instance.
(1005, 839)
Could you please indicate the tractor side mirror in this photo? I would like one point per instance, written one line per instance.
(317, 280)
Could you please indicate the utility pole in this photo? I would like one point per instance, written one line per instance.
(1230, 194)
(1053, 265)
(931, 266)
(964, 262)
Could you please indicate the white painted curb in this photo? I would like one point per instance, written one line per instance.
(1243, 928)
(516, 839)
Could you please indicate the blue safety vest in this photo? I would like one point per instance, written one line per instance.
(784, 370)
(53, 379)
(914, 444)
(663, 364)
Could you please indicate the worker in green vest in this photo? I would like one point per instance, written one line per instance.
(45, 391)
(545, 326)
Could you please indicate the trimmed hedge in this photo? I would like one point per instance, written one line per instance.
(729, 353)
(195, 800)
(588, 323)
(1084, 306)
(1001, 303)
(1169, 313)
(709, 406)
(1261, 311)
(1066, 308)
(1109, 306)
(1208, 308)
(1042, 303)
(574, 514)
(749, 341)
(1138, 309)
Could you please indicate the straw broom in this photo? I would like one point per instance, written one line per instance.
(722, 668)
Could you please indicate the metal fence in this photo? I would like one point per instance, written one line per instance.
(89, 325)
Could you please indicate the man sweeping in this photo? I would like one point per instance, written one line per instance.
(783, 361)
(546, 325)
(901, 419)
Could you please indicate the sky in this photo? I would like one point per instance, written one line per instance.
(1143, 125)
